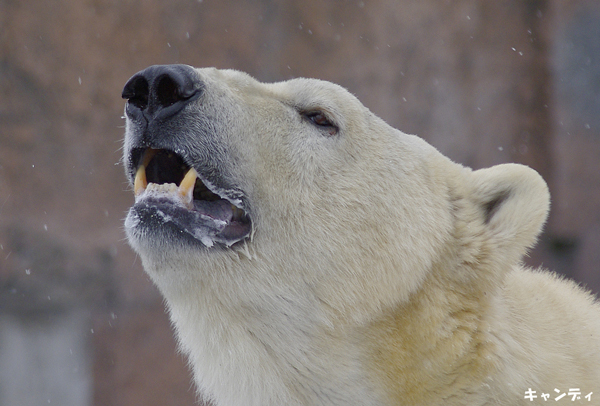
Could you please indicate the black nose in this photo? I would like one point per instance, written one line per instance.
(161, 90)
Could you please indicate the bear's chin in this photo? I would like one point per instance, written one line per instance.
(160, 222)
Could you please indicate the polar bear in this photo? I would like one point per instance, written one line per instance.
(310, 254)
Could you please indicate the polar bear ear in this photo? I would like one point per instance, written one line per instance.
(513, 202)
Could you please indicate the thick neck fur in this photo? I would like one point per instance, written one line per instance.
(432, 349)
(275, 348)
(269, 343)
(286, 348)
(440, 347)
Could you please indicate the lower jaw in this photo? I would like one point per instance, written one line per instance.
(162, 224)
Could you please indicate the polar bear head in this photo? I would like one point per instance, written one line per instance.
(258, 189)
(278, 220)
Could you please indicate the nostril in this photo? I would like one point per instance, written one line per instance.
(137, 92)
(168, 91)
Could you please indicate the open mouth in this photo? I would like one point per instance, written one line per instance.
(172, 191)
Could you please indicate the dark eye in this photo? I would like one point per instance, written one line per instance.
(321, 120)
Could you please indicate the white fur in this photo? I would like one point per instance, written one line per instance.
(379, 272)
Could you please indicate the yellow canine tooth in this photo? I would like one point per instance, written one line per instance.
(148, 155)
(140, 183)
(186, 187)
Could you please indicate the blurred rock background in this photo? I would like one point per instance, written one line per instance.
(485, 82)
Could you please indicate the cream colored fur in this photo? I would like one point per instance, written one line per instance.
(378, 273)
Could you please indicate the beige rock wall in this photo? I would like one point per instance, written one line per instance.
(485, 82)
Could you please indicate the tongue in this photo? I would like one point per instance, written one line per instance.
(205, 222)
(218, 209)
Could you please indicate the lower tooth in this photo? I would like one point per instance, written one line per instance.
(167, 188)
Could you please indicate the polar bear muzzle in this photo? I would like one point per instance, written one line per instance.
(173, 193)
